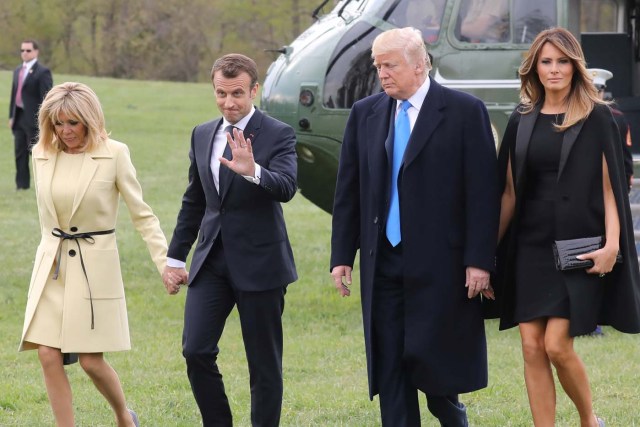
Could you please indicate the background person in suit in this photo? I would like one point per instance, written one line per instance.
(76, 301)
(31, 82)
(423, 325)
(560, 170)
(599, 78)
(232, 206)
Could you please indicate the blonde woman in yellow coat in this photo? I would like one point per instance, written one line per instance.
(76, 301)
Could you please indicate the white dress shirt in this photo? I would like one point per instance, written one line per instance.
(416, 100)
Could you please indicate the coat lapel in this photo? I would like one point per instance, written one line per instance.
(45, 171)
(379, 135)
(206, 162)
(16, 77)
(428, 120)
(523, 137)
(570, 136)
(32, 70)
(87, 171)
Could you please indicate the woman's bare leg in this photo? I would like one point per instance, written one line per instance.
(570, 369)
(538, 375)
(107, 382)
(57, 384)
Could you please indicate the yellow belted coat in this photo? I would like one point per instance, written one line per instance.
(106, 174)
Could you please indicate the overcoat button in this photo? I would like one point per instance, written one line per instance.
(74, 229)
(370, 252)
(375, 220)
(72, 253)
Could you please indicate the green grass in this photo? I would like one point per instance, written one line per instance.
(324, 364)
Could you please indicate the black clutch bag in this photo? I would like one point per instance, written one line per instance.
(565, 252)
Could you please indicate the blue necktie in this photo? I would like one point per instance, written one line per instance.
(400, 140)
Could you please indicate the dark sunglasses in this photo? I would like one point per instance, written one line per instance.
(600, 87)
(25, 50)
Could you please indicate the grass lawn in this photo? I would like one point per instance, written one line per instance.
(324, 363)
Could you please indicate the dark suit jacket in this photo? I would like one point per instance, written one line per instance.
(579, 211)
(34, 89)
(247, 217)
(449, 217)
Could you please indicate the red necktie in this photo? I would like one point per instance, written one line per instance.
(19, 91)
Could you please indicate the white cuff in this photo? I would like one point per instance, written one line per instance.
(174, 263)
(255, 179)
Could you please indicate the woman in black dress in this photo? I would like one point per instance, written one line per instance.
(560, 165)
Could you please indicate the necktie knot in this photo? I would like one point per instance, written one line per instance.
(405, 105)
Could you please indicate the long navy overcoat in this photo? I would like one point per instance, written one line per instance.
(449, 206)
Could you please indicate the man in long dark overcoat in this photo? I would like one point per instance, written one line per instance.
(425, 219)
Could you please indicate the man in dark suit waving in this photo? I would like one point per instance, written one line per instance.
(31, 82)
(243, 166)
(417, 194)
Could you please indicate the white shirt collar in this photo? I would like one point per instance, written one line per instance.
(29, 64)
(242, 124)
(417, 99)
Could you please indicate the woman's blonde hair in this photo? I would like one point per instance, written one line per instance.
(75, 100)
(582, 95)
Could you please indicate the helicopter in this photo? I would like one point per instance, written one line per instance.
(316, 79)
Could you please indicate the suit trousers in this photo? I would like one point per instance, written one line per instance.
(399, 406)
(210, 299)
(24, 135)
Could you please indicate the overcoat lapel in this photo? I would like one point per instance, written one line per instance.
(523, 137)
(427, 122)
(380, 131)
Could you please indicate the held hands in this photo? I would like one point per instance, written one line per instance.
(338, 272)
(477, 281)
(603, 260)
(173, 277)
(241, 161)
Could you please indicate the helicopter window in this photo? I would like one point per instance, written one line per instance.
(484, 21)
(601, 18)
(531, 17)
(425, 16)
(350, 74)
(503, 21)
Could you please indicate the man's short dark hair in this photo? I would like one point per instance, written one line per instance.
(33, 43)
(232, 64)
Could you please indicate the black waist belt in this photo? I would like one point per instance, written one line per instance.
(87, 237)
